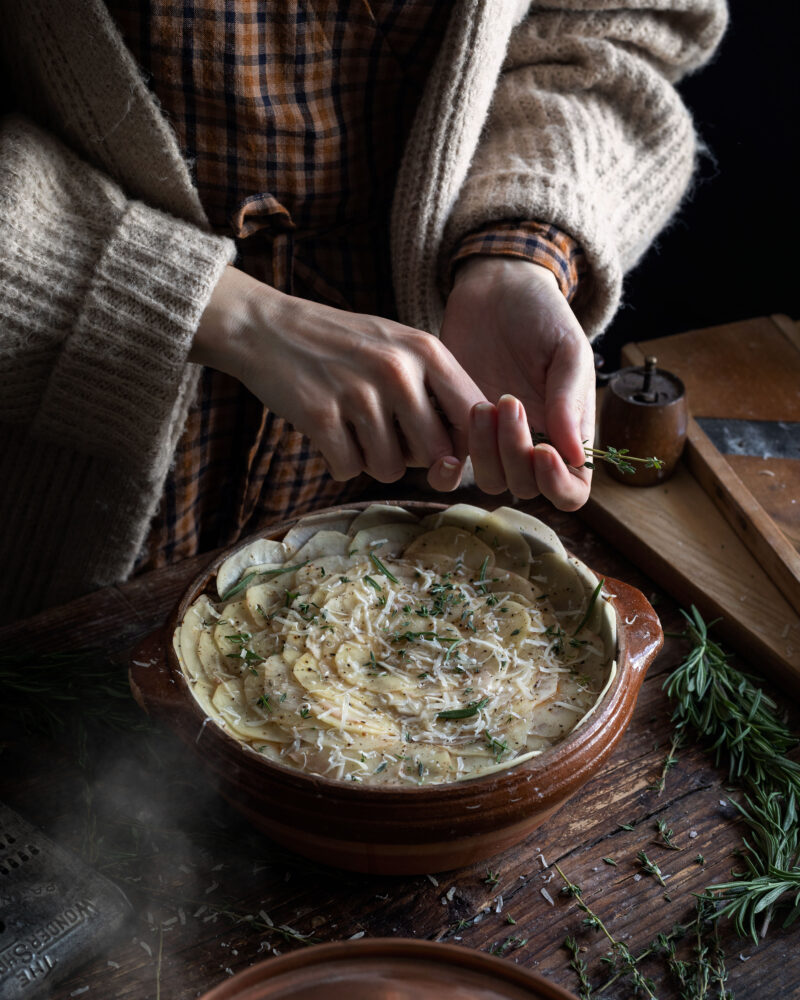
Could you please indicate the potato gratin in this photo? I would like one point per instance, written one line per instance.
(375, 647)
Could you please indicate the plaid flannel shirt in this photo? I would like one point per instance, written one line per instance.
(294, 117)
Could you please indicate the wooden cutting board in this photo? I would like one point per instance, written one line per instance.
(747, 370)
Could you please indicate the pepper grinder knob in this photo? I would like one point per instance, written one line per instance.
(644, 409)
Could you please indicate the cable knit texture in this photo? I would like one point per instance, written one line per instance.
(584, 130)
(563, 112)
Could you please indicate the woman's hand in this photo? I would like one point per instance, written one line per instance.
(513, 331)
(368, 392)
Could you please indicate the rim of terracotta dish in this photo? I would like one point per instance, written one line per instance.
(468, 787)
(406, 949)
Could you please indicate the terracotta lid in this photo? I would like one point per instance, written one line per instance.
(387, 969)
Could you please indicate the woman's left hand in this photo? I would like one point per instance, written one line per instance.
(512, 330)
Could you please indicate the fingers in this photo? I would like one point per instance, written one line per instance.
(565, 488)
(504, 457)
(445, 474)
(455, 391)
(340, 451)
(502, 450)
(487, 465)
(376, 433)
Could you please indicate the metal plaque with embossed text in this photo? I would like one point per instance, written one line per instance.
(55, 912)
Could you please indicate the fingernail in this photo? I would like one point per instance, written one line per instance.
(450, 464)
(483, 413)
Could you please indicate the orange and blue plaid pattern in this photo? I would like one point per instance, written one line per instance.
(294, 117)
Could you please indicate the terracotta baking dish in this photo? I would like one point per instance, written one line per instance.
(387, 969)
(385, 829)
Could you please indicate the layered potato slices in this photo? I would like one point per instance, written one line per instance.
(378, 647)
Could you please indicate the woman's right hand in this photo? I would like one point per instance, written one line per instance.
(371, 394)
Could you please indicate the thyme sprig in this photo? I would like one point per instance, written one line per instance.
(620, 457)
(621, 959)
(728, 708)
(669, 762)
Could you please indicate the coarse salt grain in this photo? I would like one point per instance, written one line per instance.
(692, 834)
(637, 878)
(432, 880)
(450, 893)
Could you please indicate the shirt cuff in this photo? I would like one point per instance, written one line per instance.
(536, 242)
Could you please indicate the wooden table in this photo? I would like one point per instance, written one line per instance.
(207, 889)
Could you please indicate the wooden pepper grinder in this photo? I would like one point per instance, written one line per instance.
(645, 411)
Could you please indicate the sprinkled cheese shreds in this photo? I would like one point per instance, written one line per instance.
(424, 667)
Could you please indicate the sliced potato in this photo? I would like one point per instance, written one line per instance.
(536, 533)
(453, 543)
(323, 543)
(354, 666)
(565, 591)
(256, 553)
(381, 513)
(510, 549)
(320, 569)
(384, 539)
(308, 526)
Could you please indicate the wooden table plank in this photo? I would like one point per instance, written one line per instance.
(143, 813)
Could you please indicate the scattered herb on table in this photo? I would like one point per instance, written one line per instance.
(622, 959)
(666, 835)
(669, 762)
(651, 868)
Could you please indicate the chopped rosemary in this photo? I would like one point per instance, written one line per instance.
(382, 569)
(266, 574)
(463, 713)
(590, 607)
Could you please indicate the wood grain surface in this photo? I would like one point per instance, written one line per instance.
(212, 896)
(748, 370)
(745, 370)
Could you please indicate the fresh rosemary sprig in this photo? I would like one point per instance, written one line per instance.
(727, 708)
(619, 457)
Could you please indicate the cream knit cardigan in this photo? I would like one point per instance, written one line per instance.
(563, 112)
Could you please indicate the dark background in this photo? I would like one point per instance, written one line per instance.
(730, 253)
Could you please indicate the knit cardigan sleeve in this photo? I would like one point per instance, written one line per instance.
(99, 298)
(587, 132)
